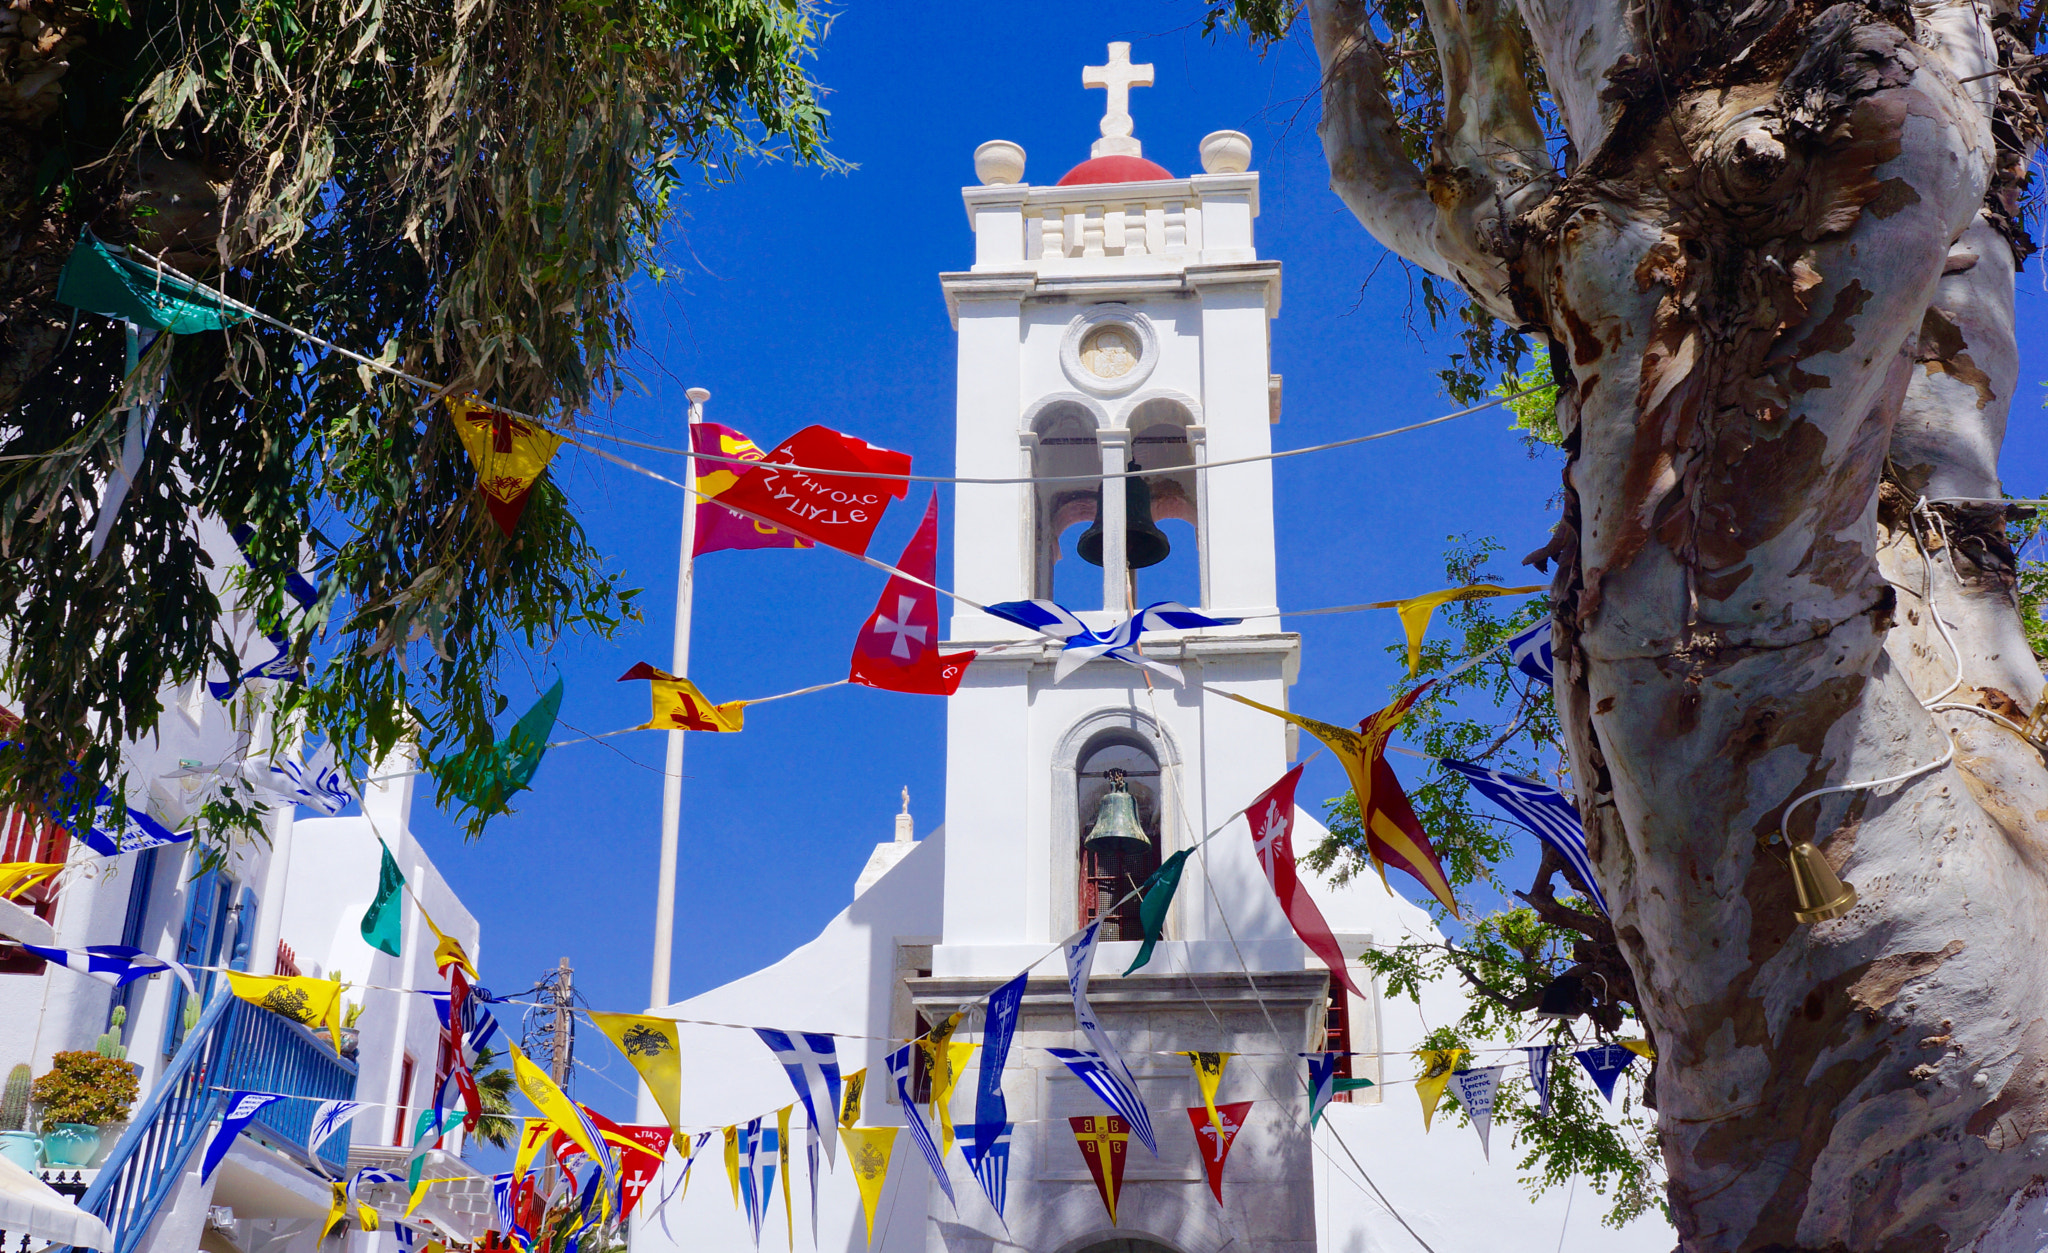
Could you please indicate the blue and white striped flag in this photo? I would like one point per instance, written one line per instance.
(811, 1061)
(1531, 652)
(1109, 1076)
(114, 963)
(1539, 1075)
(318, 783)
(1119, 642)
(1322, 1082)
(501, 1202)
(241, 1107)
(988, 1156)
(135, 832)
(900, 1071)
(1544, 810)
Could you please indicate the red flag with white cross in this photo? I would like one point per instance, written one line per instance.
(1272, 821)
(898, 647)
(1214, 1144)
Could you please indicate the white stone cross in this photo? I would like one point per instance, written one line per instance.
(1117, 78)
(903, 632)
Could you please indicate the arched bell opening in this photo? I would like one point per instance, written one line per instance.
(1118, 782)
(1066, 446)
(1162, 439)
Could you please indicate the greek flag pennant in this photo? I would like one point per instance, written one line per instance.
(998, 1028)
(899, 1072)
(319, 783)
(328, 1119)
(1111, 1079)
(241, 1107)
(1539, 1076)
(1531, 652)
(1119, 643)
(114, 963)
(1544, 810)
(988, 1156)
(1605, 1062)
(811, 1061)
(135, 832)
(1322, 1082)
(501, 1202)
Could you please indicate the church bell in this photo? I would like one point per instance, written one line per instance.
(1117, 817)
(1144, 543)
(1822, 895)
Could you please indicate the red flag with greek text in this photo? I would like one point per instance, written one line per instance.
(898, 646)
(719, 528)
(840, 508)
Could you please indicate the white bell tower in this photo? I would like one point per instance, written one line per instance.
(1120, 316)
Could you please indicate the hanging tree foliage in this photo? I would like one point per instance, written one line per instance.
(465, 187)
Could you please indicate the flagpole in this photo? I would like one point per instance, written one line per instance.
(672, 779)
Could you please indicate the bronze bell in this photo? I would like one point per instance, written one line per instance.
(1117, 817)
(1144, 543)
(1559, 1001)
(1822, 895)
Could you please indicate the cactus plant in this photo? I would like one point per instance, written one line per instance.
(109, 1044)
(14, 1098)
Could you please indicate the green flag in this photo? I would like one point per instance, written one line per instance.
(380, 920)
(1155, 896)
(487, 778)
(104, 280)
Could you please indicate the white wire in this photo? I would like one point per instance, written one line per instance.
(1785, 818)
(1927, 597)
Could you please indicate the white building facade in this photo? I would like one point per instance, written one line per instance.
(1118, 316)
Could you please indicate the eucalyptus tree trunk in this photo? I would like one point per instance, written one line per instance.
(1776, 278)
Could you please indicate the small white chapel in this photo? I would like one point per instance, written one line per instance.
(1117, 317)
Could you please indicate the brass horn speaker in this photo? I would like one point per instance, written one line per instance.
(1822, 894)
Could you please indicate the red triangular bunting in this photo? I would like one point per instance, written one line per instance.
(1215, 1148)
(1105, 1141)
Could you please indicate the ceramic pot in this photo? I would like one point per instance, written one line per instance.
(23, 1148)
(110, 1135)
(70, 1143)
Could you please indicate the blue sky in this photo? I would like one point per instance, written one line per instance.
(797, 297)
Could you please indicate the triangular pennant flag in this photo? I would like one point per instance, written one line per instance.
(782, 1164)
(1322, 1082)
(1641, 1048)
(1605, 1062)
(1209, 1073)
(1155, 898)
(655, 1051)
(944, 1080)
(16, 876)
(448, 950)
(102, 278)
(1105, 1142)
(380, 921)
(732, 1162)
(899, 1074)
(1476, 1089)
(720, 528)
(679, 706)
(568, 1117)
(308, 1002)
(1271, 818)
(1437, 1065)
(841, 509)
(1539, 1076)
(328, 1119)
(509, 455)
(936, 1045)
(998, 1027)
(850, 1089)
(486, 778)
(1531, 652)
(1547, 812)
(811, 1060)
(897, 649)
(1415, 611)
(241, 1107)
(1081, 645)
(1102, 1067)
(867, 1151)
(1391, 831)
(988, 1156)
(1216, 1128)
(533, 1133)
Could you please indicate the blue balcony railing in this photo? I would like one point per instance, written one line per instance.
(234, 1046)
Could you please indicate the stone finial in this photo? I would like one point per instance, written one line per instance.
(1117, 78)
(1226, 152)
(905, 834)
(998, 163)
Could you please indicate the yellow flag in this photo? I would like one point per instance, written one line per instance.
(678, 705)
(849, 1097)
(306, 1001)
(782, 1152)
(1437, 1065)
(419, 1193)
(17, 875)
(533, 1133)
(942, 1058)
(1641, 1048)
(337, 1209)
(652, 1046)
(508, 453)
(1209, 1073)
(868, 1148)
(537, 1087)
(1416, 611)
(448, 950)
(732, 1161)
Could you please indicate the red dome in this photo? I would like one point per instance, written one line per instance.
(1115, 169)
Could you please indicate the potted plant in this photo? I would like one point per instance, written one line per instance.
(82, 1090)
(17, 1143)
(109, 1045)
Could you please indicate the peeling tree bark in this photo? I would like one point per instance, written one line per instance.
(1779, 283)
